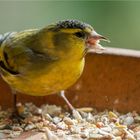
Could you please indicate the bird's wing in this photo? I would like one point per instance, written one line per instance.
(14, 55)
(3, 55)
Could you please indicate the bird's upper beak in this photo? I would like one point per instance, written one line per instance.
(93, 40)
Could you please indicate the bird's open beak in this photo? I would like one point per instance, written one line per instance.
(93, 41)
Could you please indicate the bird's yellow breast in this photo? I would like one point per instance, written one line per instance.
(58, 76)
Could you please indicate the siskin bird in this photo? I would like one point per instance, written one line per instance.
(40, 62)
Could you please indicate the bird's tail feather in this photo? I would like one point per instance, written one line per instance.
(1, 39)
(5, 36)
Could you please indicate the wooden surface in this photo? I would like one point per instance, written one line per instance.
(109, 81)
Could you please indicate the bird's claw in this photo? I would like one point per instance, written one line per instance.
(16, 118)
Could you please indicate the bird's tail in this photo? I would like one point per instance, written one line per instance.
(5, 36)
(1, 39)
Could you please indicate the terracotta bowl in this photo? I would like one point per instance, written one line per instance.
(110, 81)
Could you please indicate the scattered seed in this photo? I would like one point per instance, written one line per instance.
(128, 120)
(68, 121)
(99, 124)
(50, 135)
(85, 109)
(112, 115)
(17, 128)
(83, 124)
(77, 115)
(137, 119)
(56, 120)
(95, 136)
(29, 127)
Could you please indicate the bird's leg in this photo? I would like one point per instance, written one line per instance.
(15, 116)
(15, 111)
(62, 94)
(75, 113)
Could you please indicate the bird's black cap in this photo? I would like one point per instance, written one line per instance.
(72, 24)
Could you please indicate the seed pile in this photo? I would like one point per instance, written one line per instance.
(81, 124)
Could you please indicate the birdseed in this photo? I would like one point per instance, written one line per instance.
(82, 124)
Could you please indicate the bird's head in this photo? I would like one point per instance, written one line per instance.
(73, 37)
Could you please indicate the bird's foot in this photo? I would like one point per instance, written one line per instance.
(16, 118)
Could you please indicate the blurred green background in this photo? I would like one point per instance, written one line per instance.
(117, 20)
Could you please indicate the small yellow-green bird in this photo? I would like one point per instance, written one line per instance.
(45, 61)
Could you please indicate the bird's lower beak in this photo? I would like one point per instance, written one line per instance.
(93, 40)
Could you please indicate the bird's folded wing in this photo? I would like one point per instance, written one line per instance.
(17, 57)
(12, 56)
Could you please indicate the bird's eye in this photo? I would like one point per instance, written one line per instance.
(80, 34)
